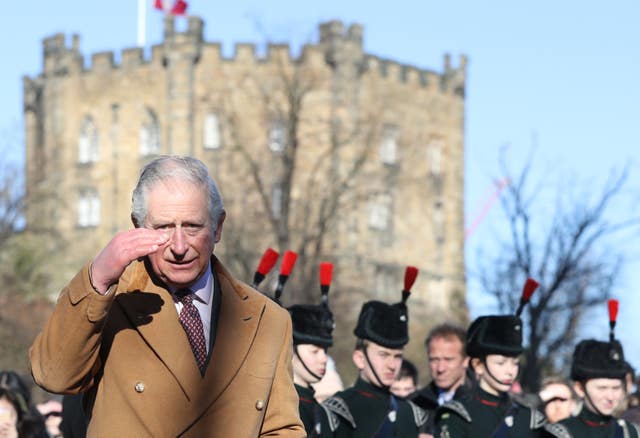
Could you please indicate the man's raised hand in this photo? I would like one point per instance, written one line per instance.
(124, 248)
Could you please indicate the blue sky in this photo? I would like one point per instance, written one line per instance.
(562, 73)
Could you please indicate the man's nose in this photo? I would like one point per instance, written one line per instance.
(178, 241)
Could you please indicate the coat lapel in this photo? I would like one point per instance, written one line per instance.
(164, 333)
(239, 318)
(240, 315)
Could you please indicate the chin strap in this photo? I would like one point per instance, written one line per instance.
(593, 405)
(486, 367)
(373, 370)
(295, 350)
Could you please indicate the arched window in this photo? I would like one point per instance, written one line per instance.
(380, 213)
(277, 135)
(88, 147)
(434, 155)
(88, 208)
(389, 145)
(211, 132)
(149, 134)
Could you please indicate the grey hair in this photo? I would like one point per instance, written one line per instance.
(175, 166)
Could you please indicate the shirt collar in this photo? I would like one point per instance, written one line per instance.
(203, 287)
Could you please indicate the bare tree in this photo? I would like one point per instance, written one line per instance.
(296, 199)
(567, 248)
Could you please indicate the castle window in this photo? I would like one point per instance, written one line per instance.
(389, 145)
(384, 281)
(88, 208)
(434, 156)
(438, 221)
(380, 212)
(88, 147)
(277, 136)
(211, 132)
(276, 201)
(149, 134)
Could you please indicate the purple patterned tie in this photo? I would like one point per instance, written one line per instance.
(192, 324)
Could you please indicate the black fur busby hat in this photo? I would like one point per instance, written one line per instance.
(387, 324)
(313, 324)
(495, 334)
(595, 359)
(499, 334)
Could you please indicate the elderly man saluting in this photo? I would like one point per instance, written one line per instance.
(159, 336)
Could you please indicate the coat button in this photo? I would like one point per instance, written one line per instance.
(259, 405)
(139, 387)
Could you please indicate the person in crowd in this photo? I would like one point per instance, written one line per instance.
(31, 421)
(312, 335)
(51, 410)
(368, 408)
(494, 345)
(598, 372)
(448, 365)
(10, 413)
(160, 336)
(558, 399)
(407, 381)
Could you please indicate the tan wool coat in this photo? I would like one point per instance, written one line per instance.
(129, 353)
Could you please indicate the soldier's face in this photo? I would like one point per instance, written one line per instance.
(604, 395)
(180, 207)
(497, 373)
(314, 358)
(385, 361)
(447, 362)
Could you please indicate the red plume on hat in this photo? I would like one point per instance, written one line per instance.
(267, 262)
(529, 288)
(326, 275)
(410, 274)
(613, 317)
(288, 260)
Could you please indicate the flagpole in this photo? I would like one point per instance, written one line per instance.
(142, 22)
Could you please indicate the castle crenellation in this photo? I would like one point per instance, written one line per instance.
(335, 43)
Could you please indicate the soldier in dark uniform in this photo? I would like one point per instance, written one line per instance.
(368, 409)
(494, 344)
(598, 370)
(312, 327)
(312, 336)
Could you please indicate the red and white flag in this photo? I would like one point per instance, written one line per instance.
(173, 7)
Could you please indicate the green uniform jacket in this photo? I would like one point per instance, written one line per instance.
(480, 415)
(588, 424)
(361, 410)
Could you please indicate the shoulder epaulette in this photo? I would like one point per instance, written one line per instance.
(420, 416)
(557, 430)
(630, 425)
(336, 407)
(538, 420)
(458, 408)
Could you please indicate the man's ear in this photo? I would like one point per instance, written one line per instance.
(218, 233)
(134, 222)
(358, 359)
(579, 389)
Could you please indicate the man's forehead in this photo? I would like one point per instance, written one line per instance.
(451, 343)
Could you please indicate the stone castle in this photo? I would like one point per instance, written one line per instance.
(335, 153)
